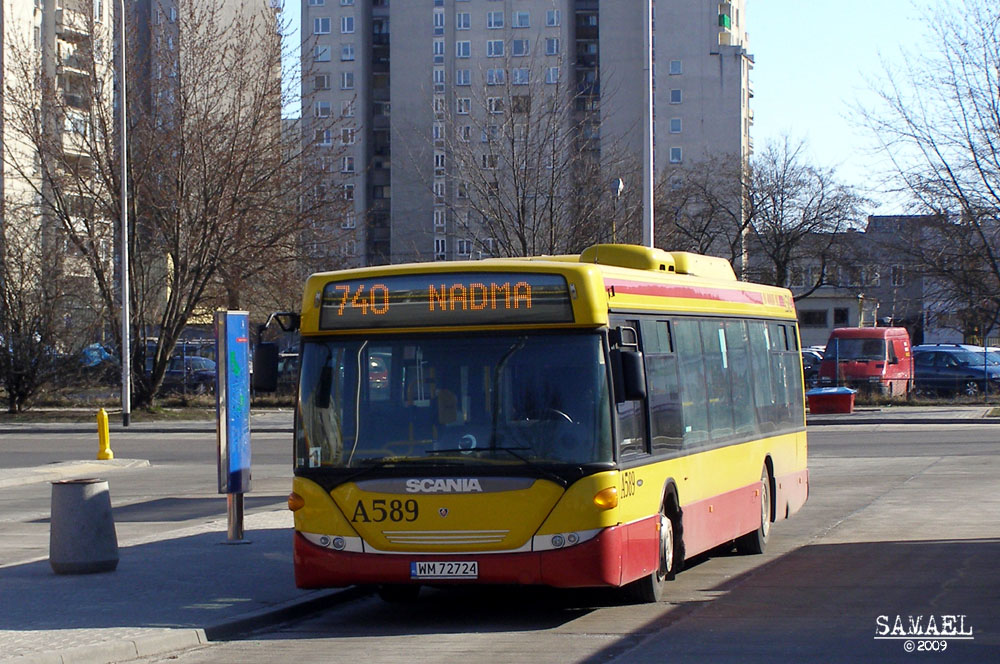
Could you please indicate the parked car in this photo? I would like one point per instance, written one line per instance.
(811, 360)
(192, 374)
(955, 369)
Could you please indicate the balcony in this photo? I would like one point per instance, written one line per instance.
(72, 25)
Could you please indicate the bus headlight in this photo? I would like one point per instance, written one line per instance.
(562, 540)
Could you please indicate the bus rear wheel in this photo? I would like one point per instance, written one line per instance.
(755, 542)
(649, 589)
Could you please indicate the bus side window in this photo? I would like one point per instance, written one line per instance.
(694, 393)
(664, 391)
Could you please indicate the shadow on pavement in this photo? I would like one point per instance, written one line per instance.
(821, 603)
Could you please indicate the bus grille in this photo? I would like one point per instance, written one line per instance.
(445, 537)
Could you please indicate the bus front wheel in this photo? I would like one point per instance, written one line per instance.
(756, 541)
(650, 588)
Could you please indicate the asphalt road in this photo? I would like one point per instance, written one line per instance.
(902, 521)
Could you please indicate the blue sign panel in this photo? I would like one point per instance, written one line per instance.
(232, 343)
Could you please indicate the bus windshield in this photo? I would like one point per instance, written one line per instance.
(454, 399)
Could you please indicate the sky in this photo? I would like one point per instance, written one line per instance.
(813, 61)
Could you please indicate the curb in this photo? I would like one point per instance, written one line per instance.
(65, 469)
(901, 420)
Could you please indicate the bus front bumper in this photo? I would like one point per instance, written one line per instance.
(596, 562)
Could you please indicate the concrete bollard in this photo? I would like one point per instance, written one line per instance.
(82, 537)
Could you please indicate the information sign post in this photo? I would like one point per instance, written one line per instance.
(232, 410)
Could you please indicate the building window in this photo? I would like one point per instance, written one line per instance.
(349, 222)
(321, 53)
(346, 3)
(347, 109)
(676, 68)
(521, 20)
(463, 105)
(347, 165)
(675, 125)
(347, 136)
(552, 18)
(489, 133)
(346, 52)
(840, 315)
(551, 46)
(463, 247)
(489, 161)
(676, 155)
(440, 217)
(463, 49)
(324, 136)
(520, 104)
(439, 191)
(439, 75)
(321, 26)
(494, 104)
(464, 133)
(494, 20)
(463, 77)
(520, 47)
(322, 82)
(815, 318)
(438, 23)
(494, 48)
(495, 76)
(317, 3)
(321, 109)
(348, 192)
(522, 76)
(440, 248)
(439, 161)
(463, 21)
(346, 24)
(898, 277)
(347, 80)
(552, 75)
(675, 96)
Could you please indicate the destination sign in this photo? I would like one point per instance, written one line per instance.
(459, 298)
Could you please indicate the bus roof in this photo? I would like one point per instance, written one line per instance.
(543, 291)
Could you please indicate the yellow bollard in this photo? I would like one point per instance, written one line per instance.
(103, 437)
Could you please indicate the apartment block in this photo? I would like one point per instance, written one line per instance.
(410, 81)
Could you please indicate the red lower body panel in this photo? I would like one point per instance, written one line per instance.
(596, 562)
(791, 492)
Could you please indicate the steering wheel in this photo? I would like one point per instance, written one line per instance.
(554, 414)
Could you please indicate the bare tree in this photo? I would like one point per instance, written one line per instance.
(794, 213)
(221, 197)
(937, 119)
(525, 164)
(700, 208)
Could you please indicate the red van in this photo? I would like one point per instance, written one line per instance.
(871, 359)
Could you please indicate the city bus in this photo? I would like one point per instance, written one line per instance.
(571, 421)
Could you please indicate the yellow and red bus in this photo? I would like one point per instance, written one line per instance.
(569, 421)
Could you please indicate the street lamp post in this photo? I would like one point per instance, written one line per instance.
(647, 128)
(126, 328)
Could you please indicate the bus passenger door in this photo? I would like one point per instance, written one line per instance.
(630, 400)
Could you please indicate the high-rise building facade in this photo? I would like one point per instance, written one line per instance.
(415, 85)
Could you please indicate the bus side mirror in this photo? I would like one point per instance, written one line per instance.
(629, 375)
(265, 367)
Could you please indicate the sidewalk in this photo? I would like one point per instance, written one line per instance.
(171, 591)
(907, 415)
(180, 587)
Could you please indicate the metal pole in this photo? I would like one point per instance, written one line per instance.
(234, 511)
(126, 314)
(647, 129)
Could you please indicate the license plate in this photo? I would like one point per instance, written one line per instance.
(444, 570)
